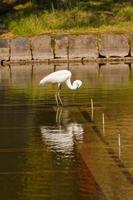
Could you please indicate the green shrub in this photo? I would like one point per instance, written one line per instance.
(126, 13)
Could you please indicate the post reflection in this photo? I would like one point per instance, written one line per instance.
(130, 72)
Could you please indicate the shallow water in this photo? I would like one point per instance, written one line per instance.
(74, 152)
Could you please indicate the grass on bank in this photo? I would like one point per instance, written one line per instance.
(29, 22)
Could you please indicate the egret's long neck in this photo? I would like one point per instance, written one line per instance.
(70, 85)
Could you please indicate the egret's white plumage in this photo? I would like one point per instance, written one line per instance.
(60, 77)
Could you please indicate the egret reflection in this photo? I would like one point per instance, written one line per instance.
(61, 139)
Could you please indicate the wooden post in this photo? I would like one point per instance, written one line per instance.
(119, 145)
(103, 123)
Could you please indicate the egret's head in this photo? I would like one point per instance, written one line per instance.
(77, 83)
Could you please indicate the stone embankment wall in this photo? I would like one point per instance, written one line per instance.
(63, 48)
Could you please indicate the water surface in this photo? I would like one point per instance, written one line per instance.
(66, 153)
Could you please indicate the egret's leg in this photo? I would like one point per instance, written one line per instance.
(58, 94)
(60, 99)
(56, 98)
(58, 115)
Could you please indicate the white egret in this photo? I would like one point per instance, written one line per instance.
(60, 77)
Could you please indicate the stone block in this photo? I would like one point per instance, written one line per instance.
(20, 49)
(112, 45)
(83, 46)
(61, 46)
(4, 49)
(41, 47)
